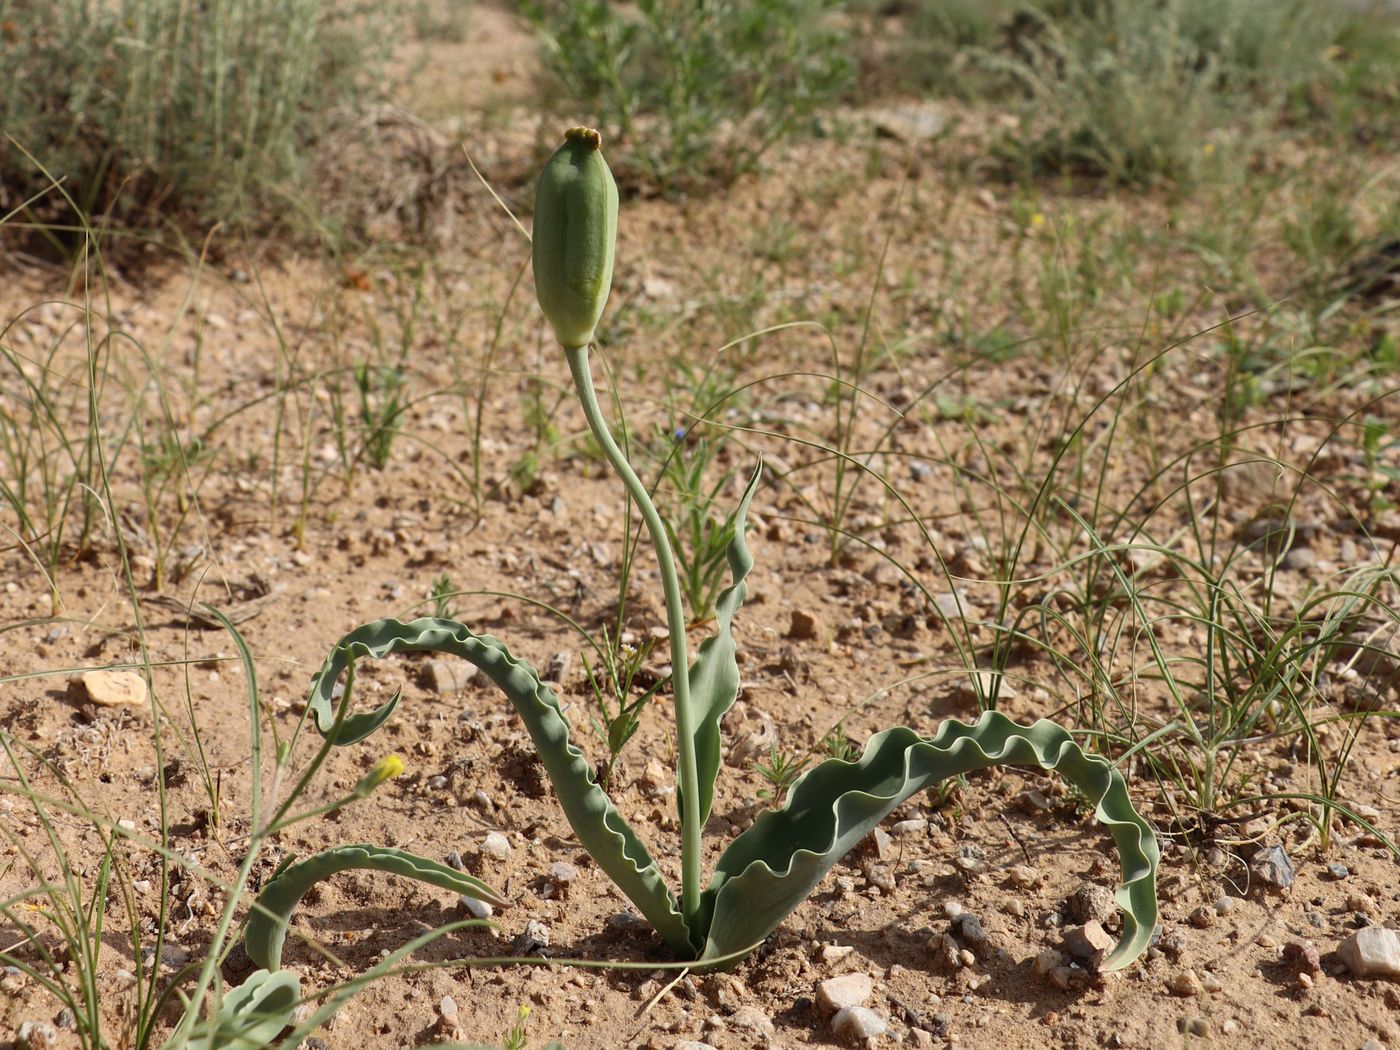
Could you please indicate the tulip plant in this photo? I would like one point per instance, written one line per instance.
(770, 868)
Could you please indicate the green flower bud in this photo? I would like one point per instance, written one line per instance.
(575, 235)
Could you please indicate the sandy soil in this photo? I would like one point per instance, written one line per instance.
(256, 517)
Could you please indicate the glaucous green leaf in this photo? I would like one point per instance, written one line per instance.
(252, 1014)
(599, 826)
(267, 923)
(714, 676)
(771, 868)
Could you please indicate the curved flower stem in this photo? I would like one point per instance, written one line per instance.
(688, 773)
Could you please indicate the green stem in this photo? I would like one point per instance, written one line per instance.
(689, 776)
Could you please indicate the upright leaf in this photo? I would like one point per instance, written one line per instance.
(714, 676)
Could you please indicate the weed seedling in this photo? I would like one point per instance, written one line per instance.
(781, 771)
(611, 683)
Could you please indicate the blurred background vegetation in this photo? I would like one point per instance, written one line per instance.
(232, 111)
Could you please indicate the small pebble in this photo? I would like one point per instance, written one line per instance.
(475, 908)
(1338, 871)
(802, 626)
(1185, 984)
(752, 1019)
(838, 993)
(1372, 952)
(968, 929)
(1024, 876)
(36, 1035)
(448, 676)
(1300, 559)
(857, 1022)
(1047, 961)
(1272, 867)
(1092, 902)
(1362, 903)
(114, 688)
(1173, 942)
(496, 845)
(561, 873)
(880, 877)
(1305, 954)
(1084, 942)
(971, 860)
(532, 940)
(1203, 917)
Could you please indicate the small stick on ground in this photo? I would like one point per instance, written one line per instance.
(662, 994)
(1012, 831)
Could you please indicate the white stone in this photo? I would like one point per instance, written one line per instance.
(838, 993)
(36, 1035)
(114, 688)
(857, 1022)
(1371, 952)
(562, 872)
(752, 1019)
(496, 845)
(477, 909)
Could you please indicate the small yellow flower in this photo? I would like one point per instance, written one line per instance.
(386, 768)
(1208, 148)
(1037, 221)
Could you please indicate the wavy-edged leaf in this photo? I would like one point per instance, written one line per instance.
(771, 868)
(252, 1014)
(267, 923)
(599, 826)
(714, 676)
